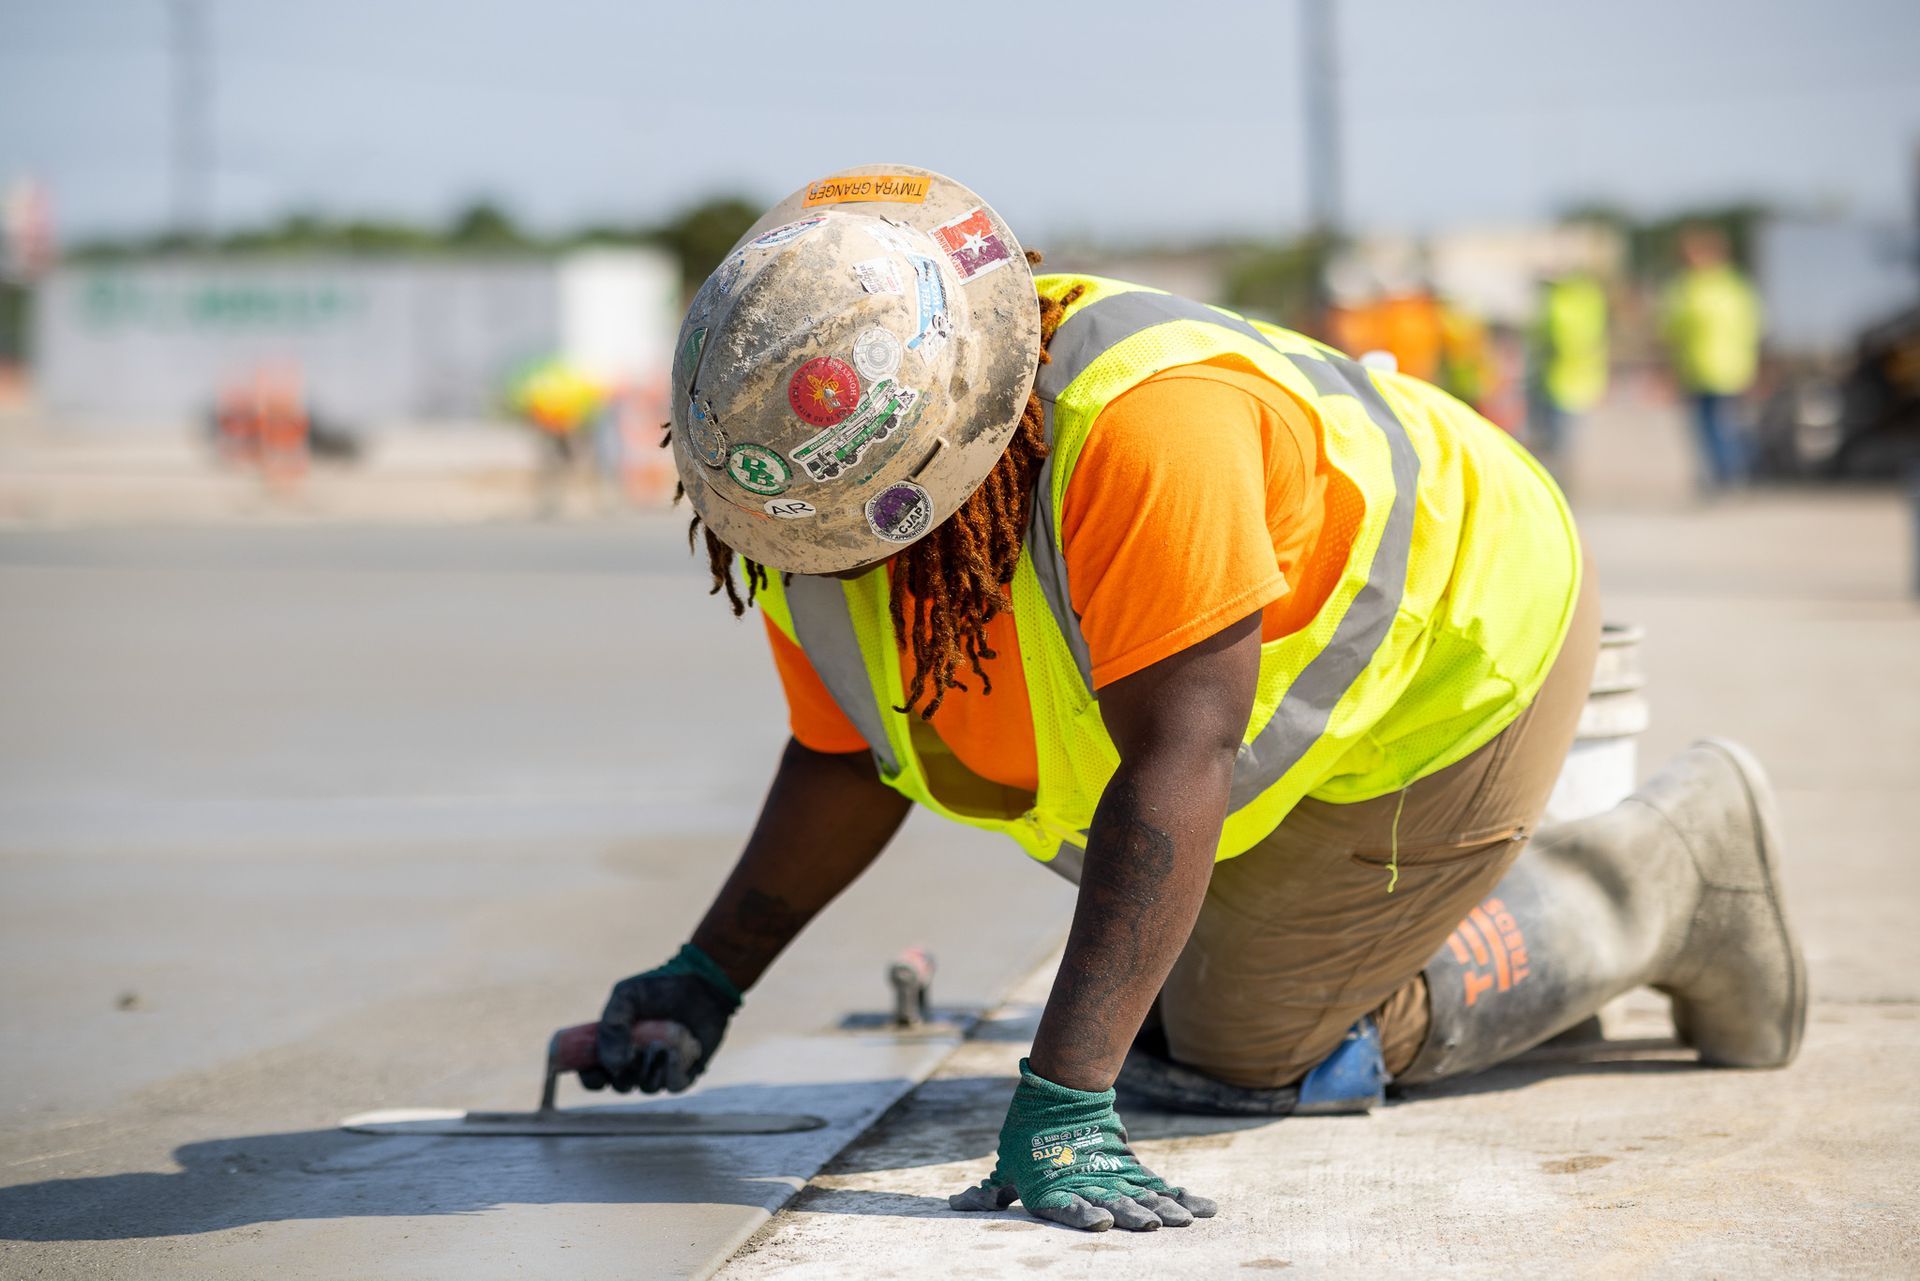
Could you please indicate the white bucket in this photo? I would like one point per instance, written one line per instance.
(1603, 764)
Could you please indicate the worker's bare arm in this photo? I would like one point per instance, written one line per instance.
(1178, 725)
(825, 819)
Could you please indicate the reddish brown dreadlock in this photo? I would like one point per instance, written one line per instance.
(956, 577)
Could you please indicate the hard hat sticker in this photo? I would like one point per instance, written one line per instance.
(891, 235)
(759, 469)
(900, 513)
(972, 245)
(935, 324)
(727, 274)
(781, 235)
(876, 354)
(823, 391)
(901, 188)
(689, 362)
(704, 437)
(879, 416)
(790, 508)
(879, 276)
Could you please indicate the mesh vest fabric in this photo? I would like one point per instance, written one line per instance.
(1457, 590)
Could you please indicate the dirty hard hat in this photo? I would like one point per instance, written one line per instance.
(852, 371)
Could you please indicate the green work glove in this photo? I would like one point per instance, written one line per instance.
(1064, 1155)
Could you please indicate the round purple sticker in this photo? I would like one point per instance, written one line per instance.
(900, 513)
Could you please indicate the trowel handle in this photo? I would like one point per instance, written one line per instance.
(573, 1048)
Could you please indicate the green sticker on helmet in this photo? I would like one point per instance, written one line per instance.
(759, 470)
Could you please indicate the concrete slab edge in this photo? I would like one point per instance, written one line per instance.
(1022, 999)
(833, 1074)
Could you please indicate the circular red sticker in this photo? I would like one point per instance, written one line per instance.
(824, 390)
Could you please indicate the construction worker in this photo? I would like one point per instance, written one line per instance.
(1275, 656)
(1567, 362)
(1711, 321)
(561, 404)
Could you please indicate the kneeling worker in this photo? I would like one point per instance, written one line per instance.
(1276, 656)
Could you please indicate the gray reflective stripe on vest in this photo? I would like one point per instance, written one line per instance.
(1308, 704)
(1085, 336)
(1304, 711)
(823, 625)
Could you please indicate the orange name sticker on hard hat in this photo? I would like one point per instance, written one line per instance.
(823, 391)
(901, 188)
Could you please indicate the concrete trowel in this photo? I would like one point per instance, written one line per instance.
(570, 1050)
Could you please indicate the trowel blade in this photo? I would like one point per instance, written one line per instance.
(606, 1121)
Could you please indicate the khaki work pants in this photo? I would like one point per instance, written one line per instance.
(1299, 937)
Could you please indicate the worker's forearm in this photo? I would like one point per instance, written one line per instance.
(825, 819)
(1149, 855)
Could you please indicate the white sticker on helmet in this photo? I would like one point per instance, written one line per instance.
(781, 235)
(876, 354)
(879, 276)
(930, 289)
(790, 508)
(881, 411)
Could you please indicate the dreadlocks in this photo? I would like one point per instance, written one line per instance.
(949, 585)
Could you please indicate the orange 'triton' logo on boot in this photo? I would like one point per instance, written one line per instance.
(1490, 948)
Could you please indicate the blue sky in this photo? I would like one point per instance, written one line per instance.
(1118, 119)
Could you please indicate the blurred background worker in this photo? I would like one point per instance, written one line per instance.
(1404, 323)
(1468, 366)
(1566, 363)
(1429, 337)
(561, 404)
(1710, 319)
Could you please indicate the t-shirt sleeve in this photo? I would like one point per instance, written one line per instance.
(1165, 526)
(815, 719)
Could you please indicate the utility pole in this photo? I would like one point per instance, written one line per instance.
(1320, 56)
(191, 179)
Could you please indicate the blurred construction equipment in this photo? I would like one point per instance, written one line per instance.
(1855, 418)
(1843, 308)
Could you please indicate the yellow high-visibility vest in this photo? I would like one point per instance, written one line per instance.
(1455, 597)
(1573, 342)
(1711, 321)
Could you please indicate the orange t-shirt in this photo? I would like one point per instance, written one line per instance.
(1200, 496)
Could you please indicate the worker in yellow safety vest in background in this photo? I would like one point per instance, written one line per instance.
(561, 404)
(1566, 362)
(1276, 657)
(1711, 320)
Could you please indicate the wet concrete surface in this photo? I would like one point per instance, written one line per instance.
(297, 823)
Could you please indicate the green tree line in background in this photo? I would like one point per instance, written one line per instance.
(1275, 276)
(698, 237)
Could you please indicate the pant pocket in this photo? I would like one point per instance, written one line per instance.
(1502, 840)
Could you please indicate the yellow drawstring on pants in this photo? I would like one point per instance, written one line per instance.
(1393, 843)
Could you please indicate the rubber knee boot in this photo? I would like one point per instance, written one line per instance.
(1676, 887)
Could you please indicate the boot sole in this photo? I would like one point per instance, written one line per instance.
(1759, 792)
